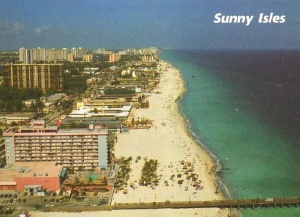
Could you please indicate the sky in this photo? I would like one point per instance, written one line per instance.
(120, 24)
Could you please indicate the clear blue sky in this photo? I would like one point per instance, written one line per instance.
(118, 24)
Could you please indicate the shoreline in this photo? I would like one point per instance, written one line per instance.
(174, 119)
(169, 141)
(224, 191)
(189, 131)
(216, 165)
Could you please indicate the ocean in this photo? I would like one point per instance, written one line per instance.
(243, 107)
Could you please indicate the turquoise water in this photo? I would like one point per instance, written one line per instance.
(258, 159)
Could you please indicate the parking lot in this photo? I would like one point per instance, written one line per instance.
(12, 202)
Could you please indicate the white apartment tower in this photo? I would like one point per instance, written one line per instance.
(38, 54)
(24, 55)
(78, 52)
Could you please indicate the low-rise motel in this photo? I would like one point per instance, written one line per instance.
(32, 177)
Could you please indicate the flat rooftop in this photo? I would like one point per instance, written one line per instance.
(81, 130)
(53, 130)
(30, 169)
(21, 114)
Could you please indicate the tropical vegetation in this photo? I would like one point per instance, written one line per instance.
(149, 173)
(11, 98)
(123, 173)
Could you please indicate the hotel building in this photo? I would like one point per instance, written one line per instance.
(74, 148)
(42, 76)
(70, 57)
(148, 58)
(32, 177)
(38, 54)
(55, 54)
(24, 55)
(87, 58)
(29, 56)
(78, 52)
(114, 57)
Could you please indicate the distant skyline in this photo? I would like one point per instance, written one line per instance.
(178, 24)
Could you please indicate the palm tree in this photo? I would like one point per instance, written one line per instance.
(90, 182)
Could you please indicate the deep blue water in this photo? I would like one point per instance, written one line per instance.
(244, 108)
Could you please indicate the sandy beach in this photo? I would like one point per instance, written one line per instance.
(168, 142)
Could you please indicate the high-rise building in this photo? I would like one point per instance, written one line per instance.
(78, 52)
(87, 58)
(38, 54)
(114, 57)
(148, 58)
(28, 56)
(57, 54)
(64, 53)
(100, 51)
(42, 76)
(24, 55)
(76, 148)
(70, 57)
